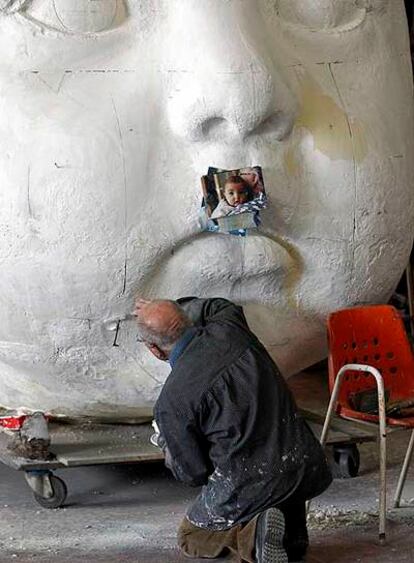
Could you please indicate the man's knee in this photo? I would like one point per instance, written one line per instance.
(199, 542)
(184, 538)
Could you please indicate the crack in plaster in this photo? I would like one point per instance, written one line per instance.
(355, 170)
(121, 144)
(29, 206)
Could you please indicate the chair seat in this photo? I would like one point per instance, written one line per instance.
(407, 422)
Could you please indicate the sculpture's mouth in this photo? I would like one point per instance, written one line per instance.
(251, 268)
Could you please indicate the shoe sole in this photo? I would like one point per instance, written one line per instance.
(274, 529)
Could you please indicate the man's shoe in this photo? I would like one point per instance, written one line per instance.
(270, 529)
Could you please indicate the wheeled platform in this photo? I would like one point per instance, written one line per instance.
(311, 391)
(87, 443)
(75, 445)
(343, 439)
(83, 444)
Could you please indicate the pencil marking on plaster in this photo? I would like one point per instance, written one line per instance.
(125, 275)
(121, 145)
(330, 63)
(62, 79)
(61, 166)
(238, 282)
(329, 239)
(29, 206)
(54, 89)
(94, 71)
(86, 71)
(115, 343)
(355, 171)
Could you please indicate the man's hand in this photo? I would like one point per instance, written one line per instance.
(156, 439)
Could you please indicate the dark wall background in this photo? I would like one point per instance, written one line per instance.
(410, 14)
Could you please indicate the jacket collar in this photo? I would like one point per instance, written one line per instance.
(182, 344)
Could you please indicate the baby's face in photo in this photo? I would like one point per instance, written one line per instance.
(236, 194)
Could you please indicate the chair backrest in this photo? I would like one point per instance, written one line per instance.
(373, 335)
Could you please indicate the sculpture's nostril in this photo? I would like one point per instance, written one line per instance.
(278, 125)
(213, 127)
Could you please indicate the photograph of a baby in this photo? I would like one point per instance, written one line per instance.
(231, 192)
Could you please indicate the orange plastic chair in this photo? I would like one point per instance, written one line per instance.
(369, 350)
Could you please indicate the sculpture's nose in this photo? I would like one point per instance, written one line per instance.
(222, 84)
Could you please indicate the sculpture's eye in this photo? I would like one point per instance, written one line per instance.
(76, 16)
(325, 14)
(10, 6)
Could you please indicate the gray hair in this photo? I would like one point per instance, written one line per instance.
(164, 339)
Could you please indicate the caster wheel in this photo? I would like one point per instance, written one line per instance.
(346, 461)
(59, 494)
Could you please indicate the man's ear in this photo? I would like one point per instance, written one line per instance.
(156, 351)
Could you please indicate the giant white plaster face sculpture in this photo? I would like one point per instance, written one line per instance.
(111, 110)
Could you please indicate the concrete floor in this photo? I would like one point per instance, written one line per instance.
(130, 513)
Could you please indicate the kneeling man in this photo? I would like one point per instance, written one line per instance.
(227, 421)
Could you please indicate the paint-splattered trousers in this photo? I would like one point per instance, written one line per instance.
(240, 539)
(200, 542)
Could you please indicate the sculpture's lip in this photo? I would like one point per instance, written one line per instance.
(211, 262)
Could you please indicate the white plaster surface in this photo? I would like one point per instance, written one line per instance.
(110, 111)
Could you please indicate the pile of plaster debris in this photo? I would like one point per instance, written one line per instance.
(333, 517)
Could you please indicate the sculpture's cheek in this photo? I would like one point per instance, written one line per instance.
(335, 134)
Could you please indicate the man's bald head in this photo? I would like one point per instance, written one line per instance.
(161, 322)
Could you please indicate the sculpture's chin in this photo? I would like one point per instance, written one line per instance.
(81, 369)
(122, 385)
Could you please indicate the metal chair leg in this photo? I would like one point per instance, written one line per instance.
(383, 456)
(332, 405)
(404, 471)
(382, 432)
(329, 414)
(383, 485)
(382, 441)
